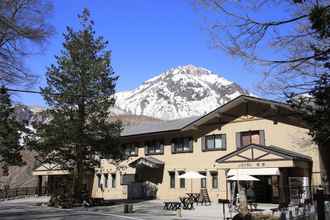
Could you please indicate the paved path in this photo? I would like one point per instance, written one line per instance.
(26, 209)
(23, 211)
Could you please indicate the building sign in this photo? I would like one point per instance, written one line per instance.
(255, 164)
(252, 164)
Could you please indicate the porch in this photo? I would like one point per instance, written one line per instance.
(283, 176)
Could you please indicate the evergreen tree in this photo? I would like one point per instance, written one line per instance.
(10, 133)
(80, 91)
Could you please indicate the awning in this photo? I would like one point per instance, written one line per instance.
(254, 172)
(150, 162)
(243, 178)
(191, 175)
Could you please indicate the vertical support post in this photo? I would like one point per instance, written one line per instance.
(39, 185)
(284, 186)
(320, 204)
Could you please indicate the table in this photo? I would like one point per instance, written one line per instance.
(172, 205)
(193, 196)
(187, 203)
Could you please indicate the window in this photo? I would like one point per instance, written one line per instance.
(182, 180)
(155, 147)
(250, 137)
(113, 183)
(131, 150)
(106, 178)
(214, 180)
(203, 180)
(5, 171)
(99, 178)
(215, 142)
(172, 179)
(181, 145)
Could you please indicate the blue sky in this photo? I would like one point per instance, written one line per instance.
(146, 37)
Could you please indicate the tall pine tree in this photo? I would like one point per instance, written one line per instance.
(80, 91)
(10, 133)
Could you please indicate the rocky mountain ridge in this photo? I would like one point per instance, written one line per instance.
(180, 92)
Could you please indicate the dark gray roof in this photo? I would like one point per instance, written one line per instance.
(191, 122)
(159, 126)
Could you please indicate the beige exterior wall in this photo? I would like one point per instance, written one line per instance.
(280, 134)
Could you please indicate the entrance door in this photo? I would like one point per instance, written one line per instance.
(264, 189)
(142, 190)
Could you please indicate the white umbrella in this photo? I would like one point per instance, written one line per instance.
(191, 175)
(243, 177)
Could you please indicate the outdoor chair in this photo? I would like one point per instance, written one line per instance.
(187, 203)
(204, 197)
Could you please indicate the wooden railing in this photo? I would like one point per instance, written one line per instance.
(9, 193)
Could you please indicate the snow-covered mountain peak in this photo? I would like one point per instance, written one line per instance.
(190, 69)
(179, 92)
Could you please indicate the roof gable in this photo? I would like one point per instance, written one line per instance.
(249, 106)
(255, 153)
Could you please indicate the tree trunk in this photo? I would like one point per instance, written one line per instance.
(78, 176)
(324, 152)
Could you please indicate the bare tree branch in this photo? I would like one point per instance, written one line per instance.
(22, 23)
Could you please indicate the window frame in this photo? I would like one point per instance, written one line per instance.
(215, 176)
(203, 180)
(213, 136)
(113, 180)
(250, 133)
(99, 180)
(105, 180)
(176, 142)
(172, 181)
(152, 144)
(182, 181)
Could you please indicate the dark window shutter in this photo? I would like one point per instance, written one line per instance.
(262, 137)
(224, 141)
(203, 143)
(238, 140)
